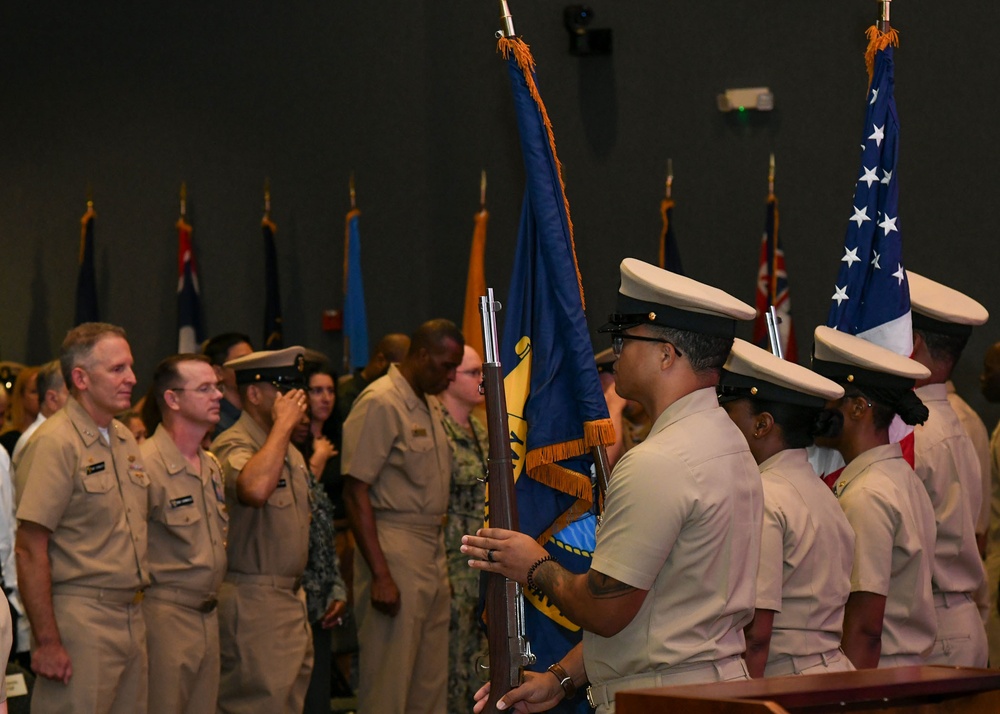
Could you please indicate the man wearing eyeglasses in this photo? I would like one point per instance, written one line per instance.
(265, 640)
(81, 539)
(187, 537)
(673, 576)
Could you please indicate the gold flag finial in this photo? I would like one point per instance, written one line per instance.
(670, 178)
(508, 21)
(267, 198)
(770, 176)
(883, 23)
(184, 195)
(353, 192)
(482, 190)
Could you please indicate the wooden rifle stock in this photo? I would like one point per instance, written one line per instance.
(509, 650)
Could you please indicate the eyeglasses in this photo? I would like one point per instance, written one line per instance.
(206, 388)
(618, 341)
(477, 373)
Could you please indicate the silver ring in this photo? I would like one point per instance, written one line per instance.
(489, 555)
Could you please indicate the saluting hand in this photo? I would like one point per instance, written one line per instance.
(289, 409)
(52, 662)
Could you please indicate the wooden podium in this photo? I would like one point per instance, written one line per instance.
(913, 690)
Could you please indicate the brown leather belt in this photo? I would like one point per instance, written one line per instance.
(201, 602)
(110, 595)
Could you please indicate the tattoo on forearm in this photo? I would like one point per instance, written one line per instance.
(602, 587)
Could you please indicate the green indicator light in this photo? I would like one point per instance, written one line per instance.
(742, 109)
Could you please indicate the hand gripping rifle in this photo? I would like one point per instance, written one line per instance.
(509, 648)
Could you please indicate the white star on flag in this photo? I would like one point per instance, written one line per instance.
(840, 294)
(878, 135)
(888, 225)
(899, 274)
(886, 177)
(869, 177)
(860, 215)
(850, 256)
(875, 261)
(874, 96)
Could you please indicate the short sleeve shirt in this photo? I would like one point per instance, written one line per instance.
(91, 495)
(273, 539)
(893, 523)
(188, 521)
(683, 521)
(395, 443)
(806, 553)
(974, 427)
(946, 463)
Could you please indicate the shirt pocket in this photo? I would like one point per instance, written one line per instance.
(182, 516)
(282, 497)
(98, 483)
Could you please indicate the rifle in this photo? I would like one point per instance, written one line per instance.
(508, 646)
(773, 336)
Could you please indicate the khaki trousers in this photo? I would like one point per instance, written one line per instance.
(961, 637)
(403, 660)
(183, 647)
(106, 642)
(266, 649)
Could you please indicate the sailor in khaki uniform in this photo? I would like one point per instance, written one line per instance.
(187, 537)
(397, 467)
(81, 491)
(889, 620)
(946, 462)
(264, 633)
(807, 544)
(673, 577)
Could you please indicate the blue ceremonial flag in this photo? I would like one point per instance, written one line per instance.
(670, 254)
(86, 281)
(555, 403)
(872, 297)
(355, 316)
(273, 339)
(189, 332)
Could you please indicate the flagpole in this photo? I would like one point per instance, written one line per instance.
(482, 191)
(508, 21)
(773, 288)
(183, 200)
(883, 24)
(347, 242)
(670, 178)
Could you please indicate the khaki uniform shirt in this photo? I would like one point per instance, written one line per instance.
(273, 540)
(683, 521)
(395, 443)
(187, 517)
(893, 523)
(976, 430)
(806, 553)
(945, 461)
(91, 496)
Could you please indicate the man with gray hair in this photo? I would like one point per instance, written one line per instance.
(52, 396)
(81, 539)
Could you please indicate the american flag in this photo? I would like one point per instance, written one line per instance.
(189, 333)
(871, 298)
(772, 287)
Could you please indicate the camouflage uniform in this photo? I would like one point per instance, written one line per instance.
(466, 640)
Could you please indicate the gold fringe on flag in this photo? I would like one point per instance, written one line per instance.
(524, 59)
(878, 40)
(665, 205)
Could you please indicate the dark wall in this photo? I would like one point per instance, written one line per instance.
(132, 98)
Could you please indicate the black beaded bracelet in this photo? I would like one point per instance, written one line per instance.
(530, 580)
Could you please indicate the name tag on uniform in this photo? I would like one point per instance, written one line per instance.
(282, 483)
(182, 501)
(419, 431)
(95, 468)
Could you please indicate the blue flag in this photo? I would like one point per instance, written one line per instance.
(555, 403)
(872, 297)
(355, 316)
(273, 338)
(670, 254)
(86, 282)
(189, 332)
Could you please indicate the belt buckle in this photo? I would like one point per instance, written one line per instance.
(208, 605)
(138, 597)
(590, 697)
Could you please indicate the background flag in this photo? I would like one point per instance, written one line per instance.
(670, 255)
(475, 286)
(86, 281)
(355, 316)
(189, 332)
(772, 287)
(273, 338)
(556, 407)
(871, 298)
